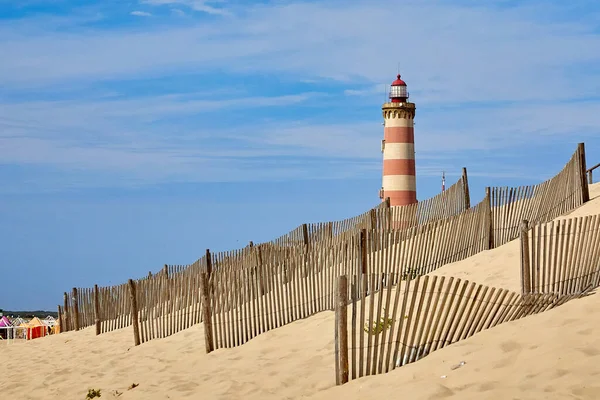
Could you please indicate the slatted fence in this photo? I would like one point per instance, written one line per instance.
(538, 203)
(260, 287)
(562, 256)
(114, 312)
(409, 319)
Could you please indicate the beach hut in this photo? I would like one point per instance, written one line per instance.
(5, 328)
(19, 329)
(52, 324)
(35, 328)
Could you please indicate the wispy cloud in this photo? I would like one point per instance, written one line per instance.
(486, 79)
(141, 13)
(488, 54)
(196, 5)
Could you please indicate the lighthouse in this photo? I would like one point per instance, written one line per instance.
(398, 147)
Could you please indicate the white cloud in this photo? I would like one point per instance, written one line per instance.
(484, 80)
(128, 137)
(141, 13)
(196, 5)
(453, 53)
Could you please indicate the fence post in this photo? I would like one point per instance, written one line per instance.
(97, 309)
(363, 251)
(353, 324)
(585, 190)
(330, 230)
(490, 244)
(134, 313)
(373, 215)
(206, 313)
(66, 311)
(465, 181)
(60, 318)
(341, 312)
(75, 309)
(305, 234)
(166, 271)
(388, 213)
(259, 265)
(209, 261)
(525, 260)
(590, 179)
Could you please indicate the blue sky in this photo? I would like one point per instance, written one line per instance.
(139, 133)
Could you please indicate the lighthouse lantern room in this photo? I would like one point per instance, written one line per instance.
(398, 93)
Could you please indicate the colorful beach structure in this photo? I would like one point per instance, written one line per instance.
(19, 328)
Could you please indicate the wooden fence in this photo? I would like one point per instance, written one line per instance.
(590, 173)
(538, 203)
(114, 302)
(292, 277)
(561, 257)
(255, 290)
(407, 320)
(304, 284)
(452, 201)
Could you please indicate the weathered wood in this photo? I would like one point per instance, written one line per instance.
(585, 191)
(465, 181)
(209, 262)
(363, 294)
(490, 222)
(363, 251)
(388, 213)
(60, 319)
(594, 167)
(342, 323)
(166, 271)
(373, 217)
(305, 234)
(206, 313)
(134, 313)
(97, 309)
(75, 309)
(353, 324)
(525, 261)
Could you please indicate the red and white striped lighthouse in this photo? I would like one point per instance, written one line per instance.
(398, 147)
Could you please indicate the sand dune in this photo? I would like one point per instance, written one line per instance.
(553, 355)
(500, 267)
(285, 363)
(546, 356)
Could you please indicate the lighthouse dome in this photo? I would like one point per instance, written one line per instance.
(398, 81)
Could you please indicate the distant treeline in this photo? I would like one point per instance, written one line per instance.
(29, 314)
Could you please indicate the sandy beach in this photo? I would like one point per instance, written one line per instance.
(553, 355)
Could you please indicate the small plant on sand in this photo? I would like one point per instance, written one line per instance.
(376, 328)
(92, 394)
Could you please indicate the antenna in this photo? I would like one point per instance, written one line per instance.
(443, 181)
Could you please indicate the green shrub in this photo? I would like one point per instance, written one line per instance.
(379, 326)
